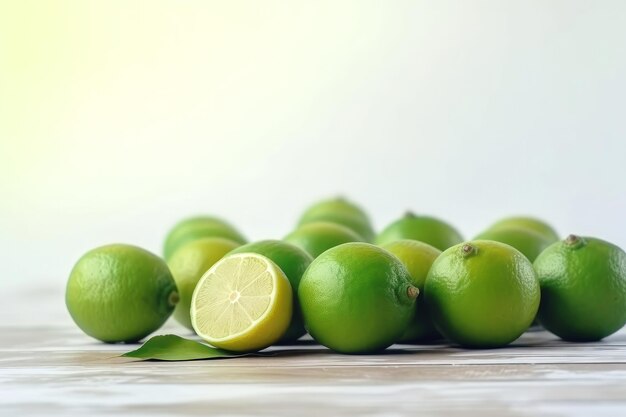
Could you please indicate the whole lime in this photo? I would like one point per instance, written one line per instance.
(482, 294)
(357, 298)
(342, 211)
(418, 257)
(426, 229)
(527, 241)
(527, 222)
(293, 261)
(120, 293)
(317, 237)
(189, 263)
(198, 227)
(583, 288)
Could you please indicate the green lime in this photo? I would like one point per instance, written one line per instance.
(418, 257)
(318, 237)
(198, 227)
(527, 241)
(525, 222)
(243, 303)
(426, 229)
(293, 261)
(482, 294)
(189, 263)
(357, 298)
(120, 293)
(583, 288)
(342, 211)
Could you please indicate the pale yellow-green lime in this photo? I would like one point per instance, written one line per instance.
(242, 304)
(293, 261)
(418, 257)
(426, 229)
(527, 241)
(583, 288)
(193, 228)
(527, 222)
(317, 237)
(357, 298)
(342, 211)
(189, 263)
(482, 294)
(120, 293)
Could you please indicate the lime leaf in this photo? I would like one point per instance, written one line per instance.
(175, 348)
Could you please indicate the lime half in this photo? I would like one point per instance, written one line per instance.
(243, 303)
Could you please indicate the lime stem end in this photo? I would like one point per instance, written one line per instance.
(412, 292)
(574, 241)
(469, 250)
(174, 298)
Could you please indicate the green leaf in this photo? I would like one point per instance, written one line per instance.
(175, 348)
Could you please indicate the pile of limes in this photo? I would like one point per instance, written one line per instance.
(353, 290)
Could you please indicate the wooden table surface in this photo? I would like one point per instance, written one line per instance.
(53, 369)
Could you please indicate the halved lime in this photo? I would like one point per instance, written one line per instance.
(243, 303)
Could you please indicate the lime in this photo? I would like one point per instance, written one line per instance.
(189, 263)
(120, 293)
(342, 211)
(293, 261)
(318, 237)
(243, 303)
(527, 241)
(198, 227)
(418, 258)
(583, 288)
(526, 222)
(357, 298)
(426, 229)
(482, 294)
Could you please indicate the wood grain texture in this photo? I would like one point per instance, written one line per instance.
(56, 370)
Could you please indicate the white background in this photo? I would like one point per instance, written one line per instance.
(118, 120)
